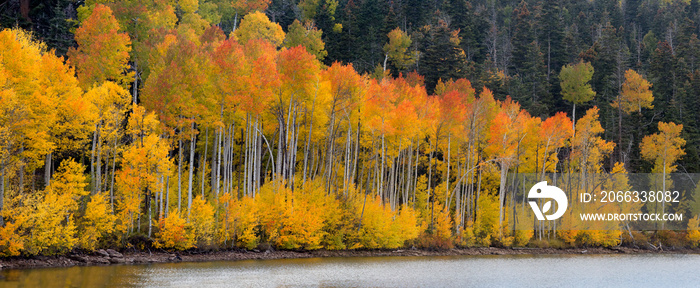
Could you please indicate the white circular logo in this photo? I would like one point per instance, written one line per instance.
(543, 191)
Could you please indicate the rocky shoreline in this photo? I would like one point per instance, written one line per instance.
(112, 257)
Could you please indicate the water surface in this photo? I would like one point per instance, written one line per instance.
(450, 271)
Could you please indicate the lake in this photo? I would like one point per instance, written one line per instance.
(651, 270)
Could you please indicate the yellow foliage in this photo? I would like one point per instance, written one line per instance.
(97, 222)
(144, 161)
(568, 236)
(238, 222)
(590, 149)
(174, 233)
(486, 224)
(694, 231)
(407, 223)
(443, 226)
(10, 241)
(256, 25)
(602, 238)
(202, 219)
(522, 237)
(306, 216)
(248, 222)
(636, 93)
(50, 224)
(375, 223)
(295, 219)
(664, 148)
(382, 228)
(468, 238)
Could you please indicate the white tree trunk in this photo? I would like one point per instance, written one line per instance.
(193, 140)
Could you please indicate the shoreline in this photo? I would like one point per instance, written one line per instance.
(111, 257)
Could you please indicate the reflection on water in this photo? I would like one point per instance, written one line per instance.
(458, 271)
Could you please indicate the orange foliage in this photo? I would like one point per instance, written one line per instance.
(174, 233)
(103, 52)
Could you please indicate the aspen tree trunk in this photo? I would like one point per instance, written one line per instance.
(179, 176)
(162, 190)
(92, 159)
(346, 171)
(218, 160)
(430, 178)
(295, 147)
(478, 193)
(250, 162)
(470, 180)
(254, 163)
(401, 177)
(406, 173)
(456, 194)
(258, 150)
(136, 82)
(251, 158)
(47, 170)
(98, 162)
(381, 173)
(227, 161)
(501, 194)
(193, 139)
(287, 152)
(21, 169)
(409, 172)
(224, 175)
(357, 150)
(359, 179)
(203, 159)
(415, 174)
(213, 172)
(105, 182)
(150, 218)
(447, 178)
(280, 139)
(246, 167)
(232, 157)
(167, 194)
(288, 136)
(2, 193)
(114, 167)
(240, 163)
(159, 198)
(308, 143)
(312, 171)
(458, 197)
(329, 149)
(390, 186)
(331, 157)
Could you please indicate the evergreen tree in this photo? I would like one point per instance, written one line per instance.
(522, 38)
(441, 57)
(552, 39)
(662, 74)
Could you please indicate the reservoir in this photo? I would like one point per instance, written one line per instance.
(652, 270)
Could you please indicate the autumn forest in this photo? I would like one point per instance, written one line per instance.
(331, 124)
